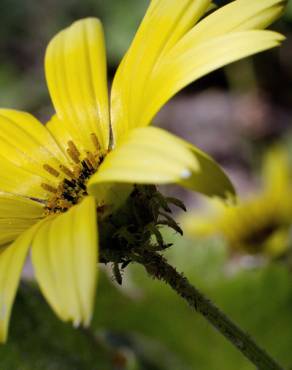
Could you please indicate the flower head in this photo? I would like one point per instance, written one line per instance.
(60, 179)
(259, 224)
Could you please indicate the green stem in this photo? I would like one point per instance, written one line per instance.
(157, 267)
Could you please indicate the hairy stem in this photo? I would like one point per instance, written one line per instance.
(157, 267)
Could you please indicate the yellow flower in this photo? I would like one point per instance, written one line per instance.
(260, 223)
(55, 177)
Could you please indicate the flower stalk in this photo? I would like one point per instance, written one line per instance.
(157, 267)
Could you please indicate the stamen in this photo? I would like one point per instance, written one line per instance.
(69, 197)
(95, 141)
(67, 171)
(89, 164)
(73, 152)
(64, 203)
(77, 171)
(85, 169)
(49, 188)
(91, 159)
(51, 170)
(72, 188)
(70, 184)
(81, 185)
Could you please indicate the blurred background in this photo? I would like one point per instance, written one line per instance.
(242, 116)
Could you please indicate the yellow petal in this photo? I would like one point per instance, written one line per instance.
(165, 38)
(26, 149)
(276, 172)
(11, 262)
(12, 206)
(75, 67)
(240, 15)
(164, 23)
(42, 262)
(59, 130)
(182, 66)
(17, 214)
(151, 155)
(198, 224)
(278, 243)
(11, 228)
(26, 142)
(17, 181)
(210, 180)
(85, 241)
(64, 255)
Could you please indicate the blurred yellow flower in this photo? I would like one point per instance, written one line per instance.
(55, 177)
(259, 224)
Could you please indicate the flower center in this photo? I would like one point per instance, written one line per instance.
(258, 236)
(73, 186)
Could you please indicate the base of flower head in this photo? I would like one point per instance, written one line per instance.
(136, 227)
